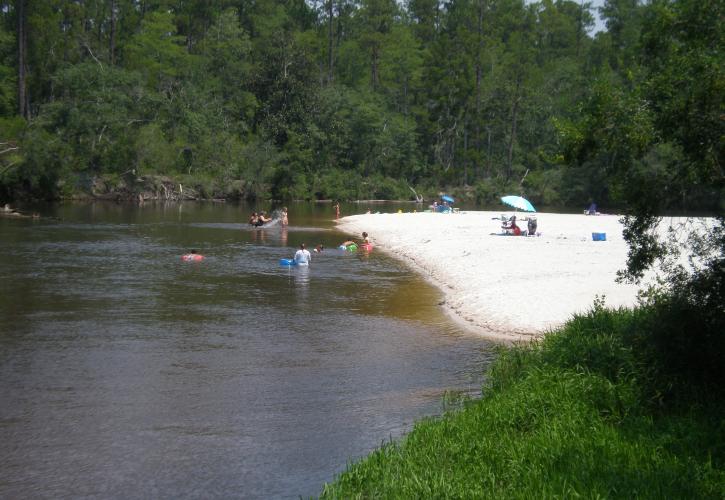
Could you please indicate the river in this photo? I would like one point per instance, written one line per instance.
(127, 373)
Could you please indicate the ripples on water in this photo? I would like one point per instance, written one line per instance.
(128, 373)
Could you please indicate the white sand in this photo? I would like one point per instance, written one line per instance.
(507, 287)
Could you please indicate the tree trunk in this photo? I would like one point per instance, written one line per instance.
(22, 60)
(512, 140)
(112, 38)
(374, 68)
(579, 27)
(479, 74)
(488, 154)
(329, 43)
(405, 99)
(465, 153)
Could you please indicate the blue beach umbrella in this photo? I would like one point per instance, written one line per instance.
(447, 198)
(518, 202)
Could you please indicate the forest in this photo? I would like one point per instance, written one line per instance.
(364, 99)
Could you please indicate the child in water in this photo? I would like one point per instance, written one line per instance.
(365, 241)
(192, 256)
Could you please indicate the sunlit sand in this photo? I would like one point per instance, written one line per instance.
(507, 287)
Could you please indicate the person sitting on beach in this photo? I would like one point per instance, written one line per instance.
(302, 256)
(512, 227)
(365, 238)
(592, 210)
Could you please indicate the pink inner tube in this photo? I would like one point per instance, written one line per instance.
(192, 257)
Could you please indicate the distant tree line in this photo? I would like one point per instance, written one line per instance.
(365, 98)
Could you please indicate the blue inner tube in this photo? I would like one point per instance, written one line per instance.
(287, 262)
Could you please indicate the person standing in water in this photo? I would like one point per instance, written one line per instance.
(283, 220)
(337, 210)
(302, 256)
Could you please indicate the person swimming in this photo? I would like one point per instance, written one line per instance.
(192, 256)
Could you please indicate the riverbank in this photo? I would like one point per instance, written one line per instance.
(505, 287)
(609, 406)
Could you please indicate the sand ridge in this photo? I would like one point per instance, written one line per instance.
(507, 287)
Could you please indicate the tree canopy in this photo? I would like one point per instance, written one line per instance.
(362, 99)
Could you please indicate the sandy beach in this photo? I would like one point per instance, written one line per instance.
(507, 287)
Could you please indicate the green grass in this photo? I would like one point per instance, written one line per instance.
(589, 412)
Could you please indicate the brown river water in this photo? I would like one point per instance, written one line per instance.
(127, 373)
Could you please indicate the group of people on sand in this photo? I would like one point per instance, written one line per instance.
(511, 228)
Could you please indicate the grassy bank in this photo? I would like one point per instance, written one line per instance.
(597, 409)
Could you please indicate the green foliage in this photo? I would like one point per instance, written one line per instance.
(157, 51)
(335, 184)
(656, 132)
(96, 117)
(590, 411)
(153, 151)
(471, 96)
(8, 83)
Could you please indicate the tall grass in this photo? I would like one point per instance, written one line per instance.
(588, 412)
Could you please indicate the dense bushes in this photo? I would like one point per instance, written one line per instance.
(618, 403)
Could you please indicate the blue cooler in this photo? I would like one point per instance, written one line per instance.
(599, 236)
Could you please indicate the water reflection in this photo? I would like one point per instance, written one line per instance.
(127, 371)
(300, 281)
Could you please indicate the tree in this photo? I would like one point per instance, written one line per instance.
(673, 108)
(9, 89)
(157, 51)
(22, 41)
(377, 19)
